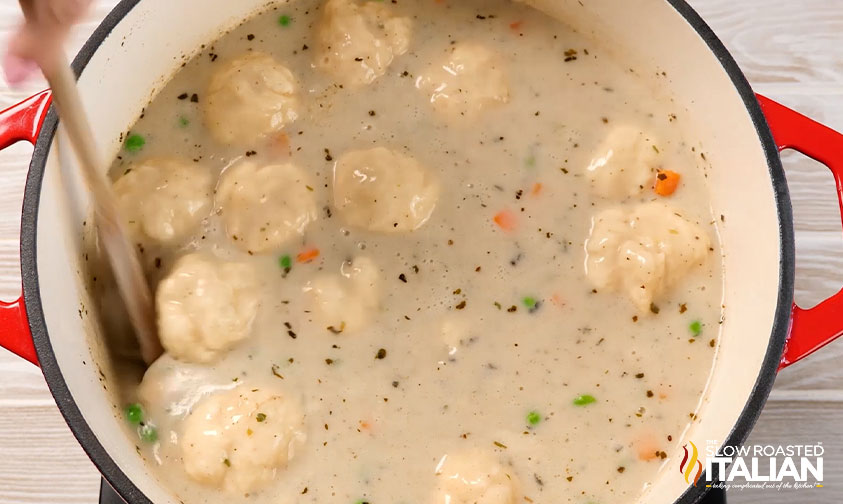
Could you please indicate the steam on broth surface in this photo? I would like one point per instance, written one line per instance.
(409, 252)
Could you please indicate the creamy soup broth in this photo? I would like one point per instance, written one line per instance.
(473, 332)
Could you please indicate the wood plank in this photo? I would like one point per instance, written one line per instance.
(800, 423)
(780, 40)
(816, 207)
(41, 462)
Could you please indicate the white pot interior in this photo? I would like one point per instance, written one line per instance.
(149, 44)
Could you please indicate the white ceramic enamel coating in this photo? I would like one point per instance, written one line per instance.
(149, 44)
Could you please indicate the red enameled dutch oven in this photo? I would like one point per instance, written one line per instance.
(142, 43)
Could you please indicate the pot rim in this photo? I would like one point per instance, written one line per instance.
(124, 485)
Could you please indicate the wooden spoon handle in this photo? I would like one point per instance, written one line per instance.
(121, 254)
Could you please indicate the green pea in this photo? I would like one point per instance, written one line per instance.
(134, 413)
(134, 143)
(148, 433)
(286, 262)
(695, 327)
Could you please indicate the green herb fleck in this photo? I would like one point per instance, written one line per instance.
(695, 327)
(260, 417)
(148, 433)
(530, 162)
(284, 20)
(533, 418)
(286, 262)
(183, 121)
(529, 302)
(134, 413)
(582, 400)
(134, 143)
(361, 501)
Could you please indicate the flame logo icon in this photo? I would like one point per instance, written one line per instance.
(689, 463)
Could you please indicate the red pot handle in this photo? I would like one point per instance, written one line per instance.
(811, 329)
(17, 123)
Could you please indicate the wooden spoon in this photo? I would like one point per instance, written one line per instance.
(122, 256)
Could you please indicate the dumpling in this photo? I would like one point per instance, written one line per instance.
(250, 98)
(165, 199)
(238, 440)
(644, 251)
(171, 388)
(382, 190)
(469, 80)
(346, 302)
(474, 478)
(624, 164)
(357, 41)
(205, 306)
(265, 206)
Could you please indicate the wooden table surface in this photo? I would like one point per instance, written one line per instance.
(792, 51)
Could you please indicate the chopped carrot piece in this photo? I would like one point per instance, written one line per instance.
(647, 448)
(505, 220)
(284, 141)
(307, 255)
(537, 189)
(515, 25)
(278, 145)
(364, 425)
(666, 182)
(557, 300)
